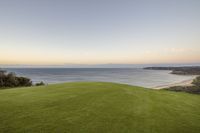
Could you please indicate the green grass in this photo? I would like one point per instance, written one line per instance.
(96, 107)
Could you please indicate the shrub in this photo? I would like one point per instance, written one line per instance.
(40, 84)
(23, 81)
(2, 77)
(196, 81)
(195, 89)
(11, 80)
(188, 89)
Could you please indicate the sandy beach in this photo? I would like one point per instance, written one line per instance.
(182, 83)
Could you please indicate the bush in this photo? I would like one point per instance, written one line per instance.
(11, 80)
(23, 81)
(188, 89)
(2, 77)
(196, 81)
(40, 84)
(195, 89)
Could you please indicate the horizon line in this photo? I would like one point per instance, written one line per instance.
(108, 65)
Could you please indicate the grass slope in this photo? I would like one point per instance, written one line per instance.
(93, 107)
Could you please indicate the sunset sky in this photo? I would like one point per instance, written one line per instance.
(44, 32)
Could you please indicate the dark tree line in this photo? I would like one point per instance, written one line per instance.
(11, 80)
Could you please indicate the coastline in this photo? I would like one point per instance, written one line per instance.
(182, 83)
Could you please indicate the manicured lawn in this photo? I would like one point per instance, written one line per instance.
(96, 107)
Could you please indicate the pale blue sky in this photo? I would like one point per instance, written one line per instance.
(99, 31)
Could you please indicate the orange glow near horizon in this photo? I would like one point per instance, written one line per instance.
(148, 57)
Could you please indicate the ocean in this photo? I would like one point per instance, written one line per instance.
(131, 76)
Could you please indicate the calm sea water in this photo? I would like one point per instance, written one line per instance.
(132, 76)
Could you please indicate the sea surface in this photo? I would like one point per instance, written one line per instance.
(131, 76)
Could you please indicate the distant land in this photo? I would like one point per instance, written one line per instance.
(108, 65)
(185, 70)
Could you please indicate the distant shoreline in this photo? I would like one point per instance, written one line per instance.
(193, 71)
(182, 83)
(185, 70)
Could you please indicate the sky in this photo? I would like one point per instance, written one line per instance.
(60, 32)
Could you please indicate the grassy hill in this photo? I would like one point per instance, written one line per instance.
(93, 107)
